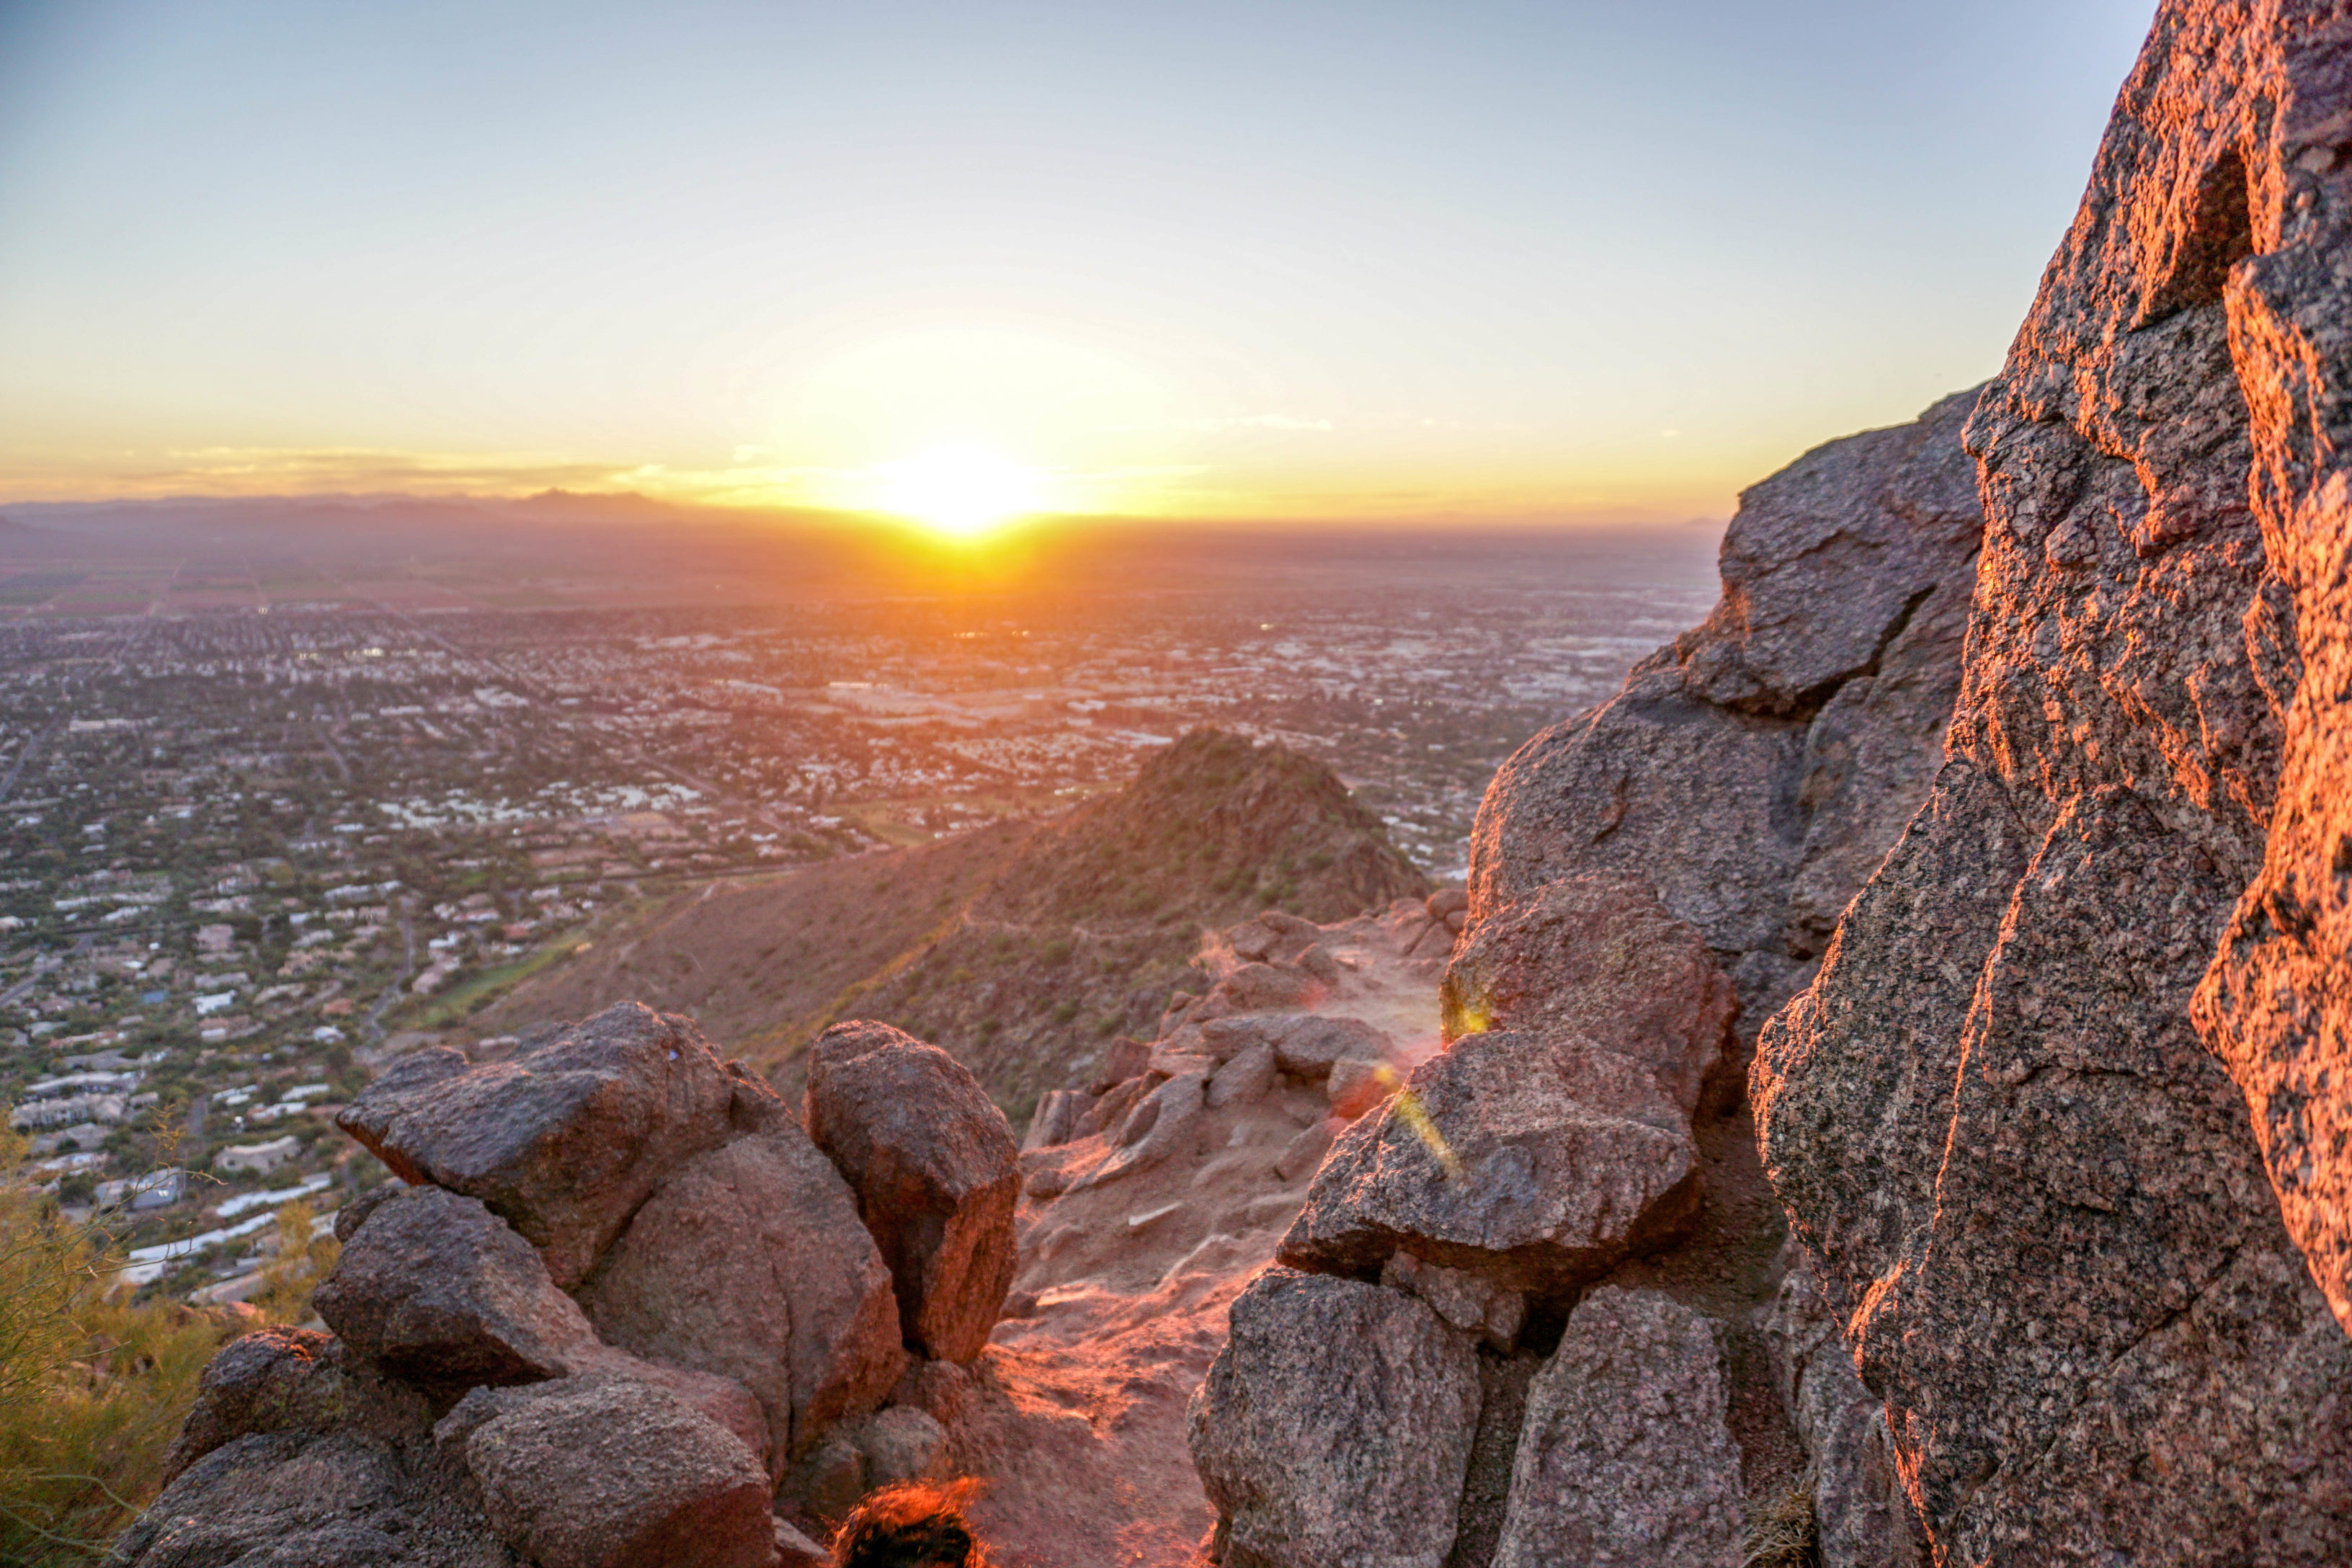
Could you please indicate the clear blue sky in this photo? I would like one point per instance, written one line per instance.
(1558, 260)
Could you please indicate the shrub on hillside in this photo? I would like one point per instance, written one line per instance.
(93, 1385)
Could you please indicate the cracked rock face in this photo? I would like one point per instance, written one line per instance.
(2094, 1293)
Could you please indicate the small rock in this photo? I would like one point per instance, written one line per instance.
(1152, 1217)
(562, 1141)
(1172, 1062)
(1244, 1080)
(931, 1160)
(1265, 987)
(438, 1289)
(1469, 1301)
(1124, 1059)
(1308, 1047)
(795, 1550)
(1055, 1119)
(1447, 901)
(1335, 1427)
(598, 1473)
(1111, 1109)
(1170, 1113)
(1625, 1459)
(830, 1478)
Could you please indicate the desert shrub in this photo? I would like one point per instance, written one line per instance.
(300, 1261)
(93, 1385)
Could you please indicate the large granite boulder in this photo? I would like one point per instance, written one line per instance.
(438, 1289)
(1334, 1429)
(1755, 771)
(750, 1263)
(933, 1164)
(564, 1140)
(1596, 957)
(1625, 1456)
(595, 1472)
(1538, 1162)
(2090, 1290)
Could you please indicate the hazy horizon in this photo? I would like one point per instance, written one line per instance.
(1496, 266)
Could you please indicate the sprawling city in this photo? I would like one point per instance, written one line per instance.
(263, 828)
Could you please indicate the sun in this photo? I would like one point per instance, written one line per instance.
(962, 490)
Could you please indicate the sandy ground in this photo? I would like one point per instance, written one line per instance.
(1079, 1426)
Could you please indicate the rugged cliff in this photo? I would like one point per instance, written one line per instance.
(2092, 1290)
(1537, 1307)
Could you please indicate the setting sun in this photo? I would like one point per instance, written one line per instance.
(962, 490)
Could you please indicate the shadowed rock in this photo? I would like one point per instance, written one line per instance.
(750, 1263)
(302, 1498)
(932, 1163)
(1335, 1428)
(608, 1473)
(1625, 1459)
(438, 1289)
(1537, 1164)
(1861, 1515)
(562, 1141)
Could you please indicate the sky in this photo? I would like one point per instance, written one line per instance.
(1554, 262)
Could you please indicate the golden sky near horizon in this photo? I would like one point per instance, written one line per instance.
(1487, 262)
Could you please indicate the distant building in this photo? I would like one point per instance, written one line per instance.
(260, 1159)
(216, 939)
(156, 1190)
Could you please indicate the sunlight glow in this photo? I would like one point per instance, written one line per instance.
(962, 490)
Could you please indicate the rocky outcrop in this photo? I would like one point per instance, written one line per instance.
(1553, 1141)
(737, 1321)
(1082, 933)
(2091, 1291)
(563, 1143)
(1755, 772)
(932, 1161)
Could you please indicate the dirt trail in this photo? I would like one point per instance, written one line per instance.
(1125, 1290)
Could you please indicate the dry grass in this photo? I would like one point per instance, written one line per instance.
(1781, 1533)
